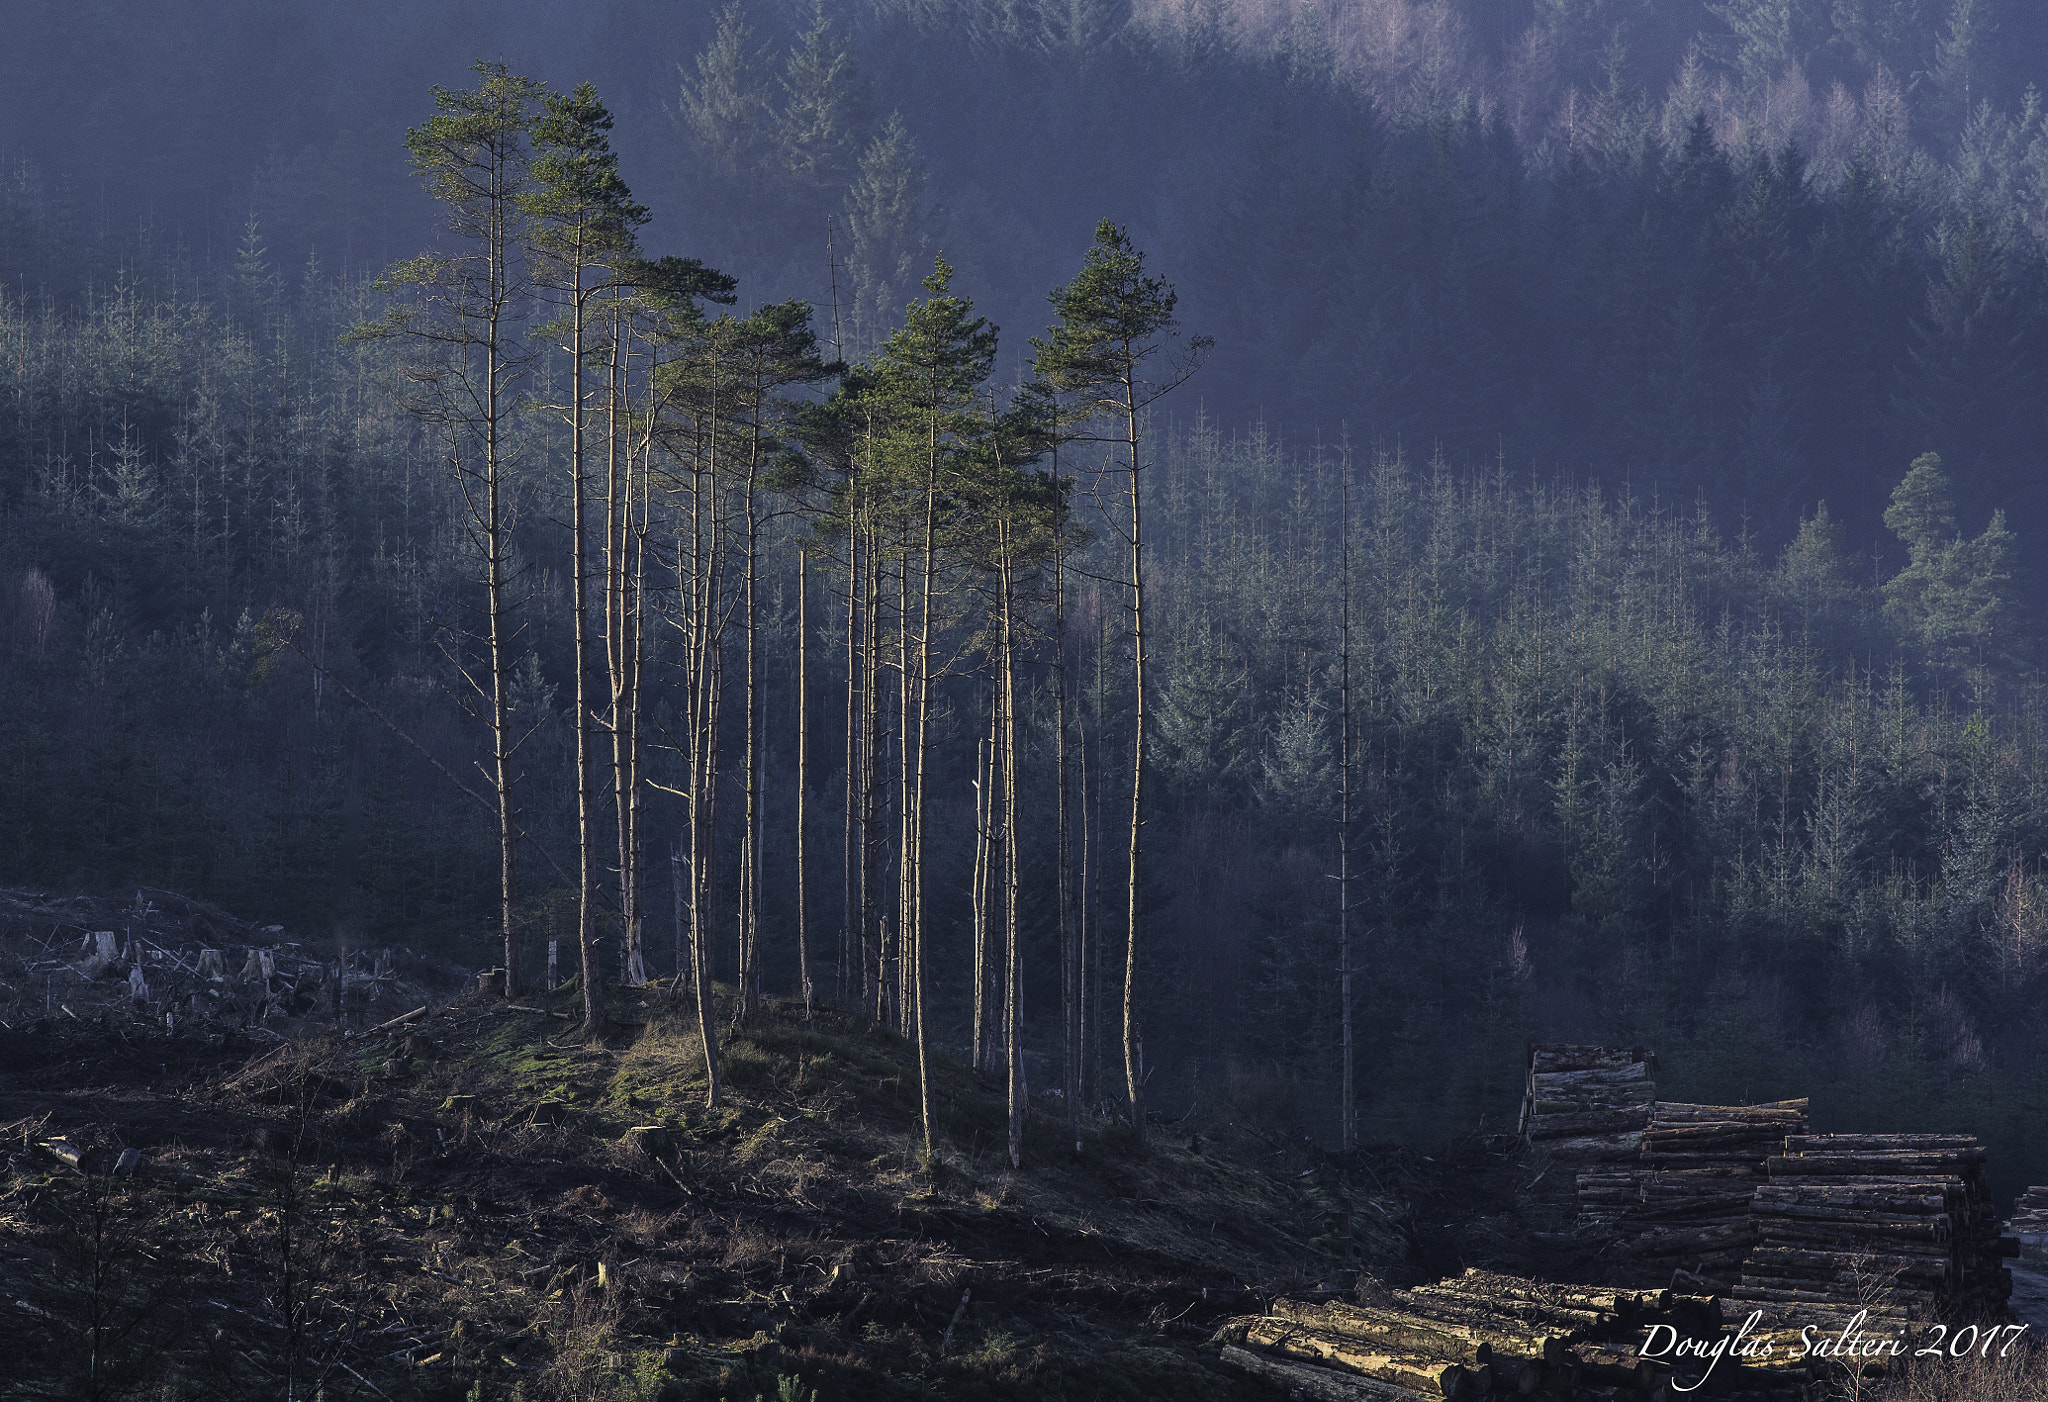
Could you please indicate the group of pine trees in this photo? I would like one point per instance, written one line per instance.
(697, 453)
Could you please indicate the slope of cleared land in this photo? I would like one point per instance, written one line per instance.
(477, 1202)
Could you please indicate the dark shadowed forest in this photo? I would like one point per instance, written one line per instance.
(1588, 456)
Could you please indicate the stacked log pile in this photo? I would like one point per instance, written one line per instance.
(2029, 1221)
(1588, 1104)
(1483, 1334)
(1683, 1212)
(1900, 1223)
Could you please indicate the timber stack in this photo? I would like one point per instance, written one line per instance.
(2029, 1221)
(1483, 1334)
(1898, 1223)
(1588, 1105)
(1690, 1222)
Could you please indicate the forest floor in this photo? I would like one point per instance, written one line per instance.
(480, 1203)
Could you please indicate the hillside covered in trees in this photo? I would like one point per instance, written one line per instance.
(1599, 530)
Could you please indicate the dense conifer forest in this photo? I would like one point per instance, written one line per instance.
(1612, 483)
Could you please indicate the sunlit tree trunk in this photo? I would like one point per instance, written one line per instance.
(1013, 991)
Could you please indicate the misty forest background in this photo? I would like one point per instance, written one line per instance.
(1596, 302)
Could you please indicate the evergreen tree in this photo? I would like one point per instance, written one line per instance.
(582, 237)
(823, 116)
(1111, 351)
(725, 107)
(890, 226)
(1954, 597)
(463, 324)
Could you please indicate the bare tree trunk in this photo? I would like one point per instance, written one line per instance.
(1084, 946)
(1349, 1115)
(1070, 935)
(750, 837)
(915, 855)
(1101, 835)
(871, 937)
(1133, 1057)
(703, 839)
(984, 796)
(502, 743)
(635, 674)
(621, 652)
(679, 883)
(699, 569)
(849, 892)
(579, 612)
(906, 853)
(803, 772)
(1013, 990)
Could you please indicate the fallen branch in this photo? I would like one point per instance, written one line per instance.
(396, 1021)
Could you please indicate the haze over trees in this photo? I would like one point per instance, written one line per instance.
(1689, 427)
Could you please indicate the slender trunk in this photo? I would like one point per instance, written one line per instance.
(915, 925)
(1101, 833)
(984, 794)
(871, 934)
(906, 815)
(803, 772)
(1134, 1071)
(704, 840)
(1070, 935)
(501, 712)
(704, 689)
(1349, 1117)
(750, 837)
(1083, 944)
(678, 886)
(1013, 991)
(849, 893)
(992, 877)
(579, 610)
(635, 673)
(495, 372)
(620, 663)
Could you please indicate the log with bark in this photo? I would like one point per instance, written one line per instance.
(1431, 1377)
(1561, 1057)
(1307, 1380)
(1576, 1093)
(1400, 1331)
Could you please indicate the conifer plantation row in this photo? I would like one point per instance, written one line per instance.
(547, 587)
